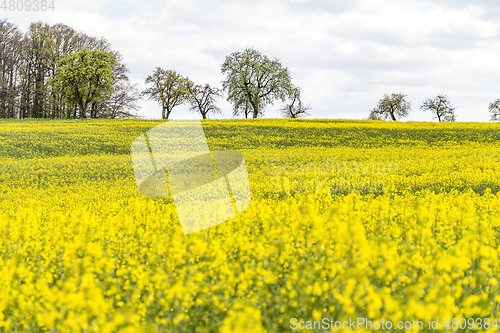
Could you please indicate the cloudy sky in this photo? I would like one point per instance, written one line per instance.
(343, 54)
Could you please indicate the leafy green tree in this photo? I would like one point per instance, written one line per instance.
(393, 107)
(441, 107)
(295, 108)
(253, 80)
(202, 98)
(494, 109)
(168, 88)
(84, 77)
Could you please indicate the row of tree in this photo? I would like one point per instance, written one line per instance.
(171, 89)
(31, 61)
(252, 82)
(57, 72)
(395, 106)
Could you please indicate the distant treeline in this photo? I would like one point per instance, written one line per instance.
(28, 60)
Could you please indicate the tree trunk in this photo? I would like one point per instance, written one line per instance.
(25, 99)
(82, 110)
(392, 116)
(255, 111)
(254, 107)
(93, 110)
(37, 102)
(163, 112)
(12, 91)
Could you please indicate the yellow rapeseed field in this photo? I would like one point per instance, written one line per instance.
(362, 222)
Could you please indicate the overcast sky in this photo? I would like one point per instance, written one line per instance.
(343, 54)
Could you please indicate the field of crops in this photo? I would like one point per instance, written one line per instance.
(349, 220)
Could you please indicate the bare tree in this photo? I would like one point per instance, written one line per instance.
(203, 98)
(42, 47)
(122, 101)
(393, 106)
(295, 108)
(10, 65)
(441, 107)
(494, 109)
(375, 116)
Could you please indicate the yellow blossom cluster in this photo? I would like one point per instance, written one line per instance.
(81, 250)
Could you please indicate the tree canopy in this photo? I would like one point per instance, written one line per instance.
(168, 88)
(28, 62)
(441, 107)
(254, 81)
(393, 107)
(84, 77)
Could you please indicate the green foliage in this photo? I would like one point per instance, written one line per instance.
(253, 81)
(84, 77)
(168, 88)
(391, 107)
